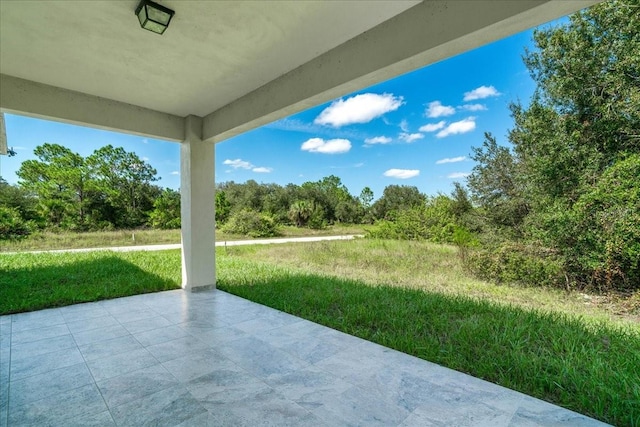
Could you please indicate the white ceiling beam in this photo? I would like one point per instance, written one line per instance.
(426, 33)
(33, 99)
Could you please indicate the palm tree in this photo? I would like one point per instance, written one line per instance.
(300, 211)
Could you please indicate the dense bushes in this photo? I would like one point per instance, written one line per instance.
(599, 236)
(251, 223)
(513, 262)
(12, 226)
(433, 222)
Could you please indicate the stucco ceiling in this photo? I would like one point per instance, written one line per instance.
(214, 52)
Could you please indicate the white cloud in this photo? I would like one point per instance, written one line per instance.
(463, 126)
(451, 160)
(436, 109)
(332, 146)
(175, 173)
(378, 140)
(404, 126)
(473, 107)
(410, 137)
(458, 175)
(238, 164)
(262, 169)
(480, 93)
(402, 173)
(432, 127)
(145, 159)
(243, 164)
(358, 109)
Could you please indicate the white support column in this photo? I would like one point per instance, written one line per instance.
(197, 192)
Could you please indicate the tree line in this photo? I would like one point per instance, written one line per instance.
(115, 189)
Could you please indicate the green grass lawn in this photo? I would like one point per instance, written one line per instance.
(101, 239)
(414, 297)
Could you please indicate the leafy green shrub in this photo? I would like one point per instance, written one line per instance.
(599, 235)
(434, 222)
(317, 220)
(251, 223)
(607, 246)
(516, 263)
(12, 226)
(166, 211)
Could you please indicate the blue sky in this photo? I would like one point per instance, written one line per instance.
(417, 129)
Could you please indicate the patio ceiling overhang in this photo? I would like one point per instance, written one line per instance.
(238, 65)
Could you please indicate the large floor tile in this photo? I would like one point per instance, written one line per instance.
(168, 407)
(110, 347)
(260, 358)
(50, 383)
(196, 364)
(161, 335)
(135, 385)
(43, 363)
(56, 410)
(92, 323)
(38, 333)
(177, 348)
(112, 366)
(147, 324)
(357, 407)
(47, 345)
(100, 334)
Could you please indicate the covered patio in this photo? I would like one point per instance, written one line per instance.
(221, 69)
(210, 359)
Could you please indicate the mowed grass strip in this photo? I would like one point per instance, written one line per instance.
(36, 281)
(588, 367)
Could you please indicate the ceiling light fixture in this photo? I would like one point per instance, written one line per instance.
(153, 16)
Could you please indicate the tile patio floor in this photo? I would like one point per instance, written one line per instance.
(212, 359)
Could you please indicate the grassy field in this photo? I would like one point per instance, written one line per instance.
(103, 239)
(415, 297)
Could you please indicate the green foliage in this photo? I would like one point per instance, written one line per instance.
(317, 220)
(396, 198)
(12, 226)
(166, 211)
(434, 222)
(223, 207)
(570, 182)
(13, 196)
(124, 181)
(300, 212)
(607, 216)
(60, 179)
(600, 233)
(516, 263)
(495, 184)
(251, 223)
(110, 188)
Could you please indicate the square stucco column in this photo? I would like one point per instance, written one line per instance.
(197, 193)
